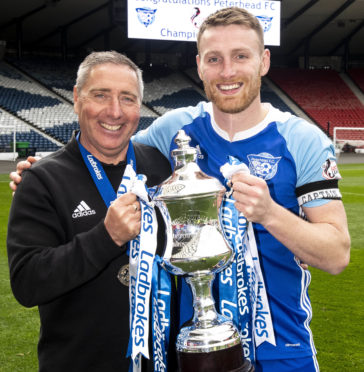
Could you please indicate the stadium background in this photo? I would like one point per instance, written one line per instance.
(317, 72)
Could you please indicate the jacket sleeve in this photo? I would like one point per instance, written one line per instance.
(43, 264)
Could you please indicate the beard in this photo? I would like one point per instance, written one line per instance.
(237, 103)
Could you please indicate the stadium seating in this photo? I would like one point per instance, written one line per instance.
(357, 75)
(27, 100)
(39, 106)
(169, 90)
(165, 89)
(323, 95)
(45, 103)
(24, 134)
(54, 73)
(267, 95)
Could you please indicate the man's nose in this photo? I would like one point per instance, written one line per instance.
(114, 108)
(228, 69)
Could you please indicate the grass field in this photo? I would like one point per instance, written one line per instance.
(338, 301)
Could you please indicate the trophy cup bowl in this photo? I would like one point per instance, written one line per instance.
(209, 342)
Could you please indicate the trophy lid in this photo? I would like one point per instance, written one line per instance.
(187, 179)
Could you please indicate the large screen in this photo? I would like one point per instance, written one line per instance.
(180, 19)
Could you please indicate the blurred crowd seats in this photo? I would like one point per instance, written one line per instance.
(36, 94)
(357, 75)
(323, 95)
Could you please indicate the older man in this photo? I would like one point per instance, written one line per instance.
(67, 230)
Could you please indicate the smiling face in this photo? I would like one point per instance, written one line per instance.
(108, 109)
(230, 64)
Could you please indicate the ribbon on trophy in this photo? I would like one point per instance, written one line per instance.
(147, 281)
(161, 296)
(241, 289)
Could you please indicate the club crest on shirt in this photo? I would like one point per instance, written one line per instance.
(263, 165)
(330, 170)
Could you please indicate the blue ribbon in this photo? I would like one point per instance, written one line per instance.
(234, 283)
(161, 296)
(98, 174)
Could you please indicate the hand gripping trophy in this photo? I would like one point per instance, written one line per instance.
(198, 251)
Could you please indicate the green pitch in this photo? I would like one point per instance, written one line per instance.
(338, 301)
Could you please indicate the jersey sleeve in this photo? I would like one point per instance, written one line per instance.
(161, 132)
(317, 171)
(43, 264)
(158, 134)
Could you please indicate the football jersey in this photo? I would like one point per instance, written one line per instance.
(297, 160)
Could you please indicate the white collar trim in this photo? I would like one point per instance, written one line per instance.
(272, 115)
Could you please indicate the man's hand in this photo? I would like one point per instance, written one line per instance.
(20, 167)
(252, 197)
(122, 219)
(321, 241)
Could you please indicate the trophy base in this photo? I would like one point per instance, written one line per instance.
(225, 360)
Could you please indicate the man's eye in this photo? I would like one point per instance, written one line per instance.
(241, 56)
(100, 96)
(212, 60)
(127, 99)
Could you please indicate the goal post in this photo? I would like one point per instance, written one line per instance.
(349, 139)
(10, 129)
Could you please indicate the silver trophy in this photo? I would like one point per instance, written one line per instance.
(210, 342)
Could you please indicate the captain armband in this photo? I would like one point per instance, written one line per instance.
(327, 189)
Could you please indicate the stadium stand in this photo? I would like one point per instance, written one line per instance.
(24, 134)
(59, 77)
(37, 106)
(54, 73)
(269, 96)
(26, 88)
(357, 75)
(166, 89)
(323, 95)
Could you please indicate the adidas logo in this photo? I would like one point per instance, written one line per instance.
(82, 210)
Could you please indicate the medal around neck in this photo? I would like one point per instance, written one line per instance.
(198, 250)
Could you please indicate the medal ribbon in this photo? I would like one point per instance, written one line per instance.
(98, 174)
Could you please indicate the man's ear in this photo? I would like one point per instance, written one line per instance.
(198, 61)
(265, 63)
(75, 99)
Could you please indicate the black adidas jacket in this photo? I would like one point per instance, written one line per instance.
(65, 262)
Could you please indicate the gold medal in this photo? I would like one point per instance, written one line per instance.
(123, 275)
